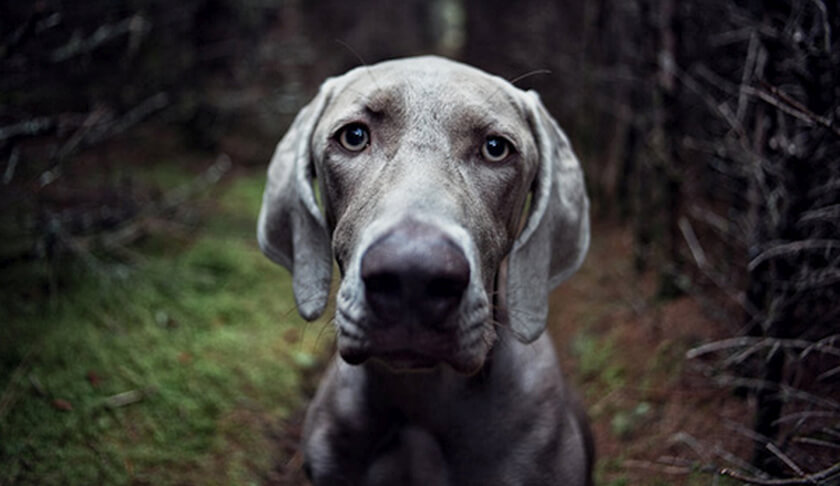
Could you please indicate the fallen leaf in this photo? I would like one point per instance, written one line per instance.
(291, 336)
(36, 384)
(124, 398)
(63, 405)
(93, 378)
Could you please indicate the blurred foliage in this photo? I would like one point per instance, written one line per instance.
(58, 57)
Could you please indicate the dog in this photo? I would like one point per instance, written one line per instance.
(452, 204)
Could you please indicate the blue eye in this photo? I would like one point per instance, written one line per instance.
(495, 149)
(354, 137)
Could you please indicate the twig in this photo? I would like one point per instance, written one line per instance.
(124, 398)
(828, 213)
(693, 244)
(830, 186)
(806, 415)
(825, 345)
(101, 35)
(828, 374)
(825, 25)
(30, 127)
(816, 442)
(818, 278)
(659, 468)
(785, 391)
(782, 249)
(138, 113)
(721, 108)
(816, 478)
(93, 119)
(701, 450)
(775, 97)
(784, 458)
(746, 76)
(11, 166)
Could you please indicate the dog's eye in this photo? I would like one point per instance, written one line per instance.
(354, 137)
(495, 149)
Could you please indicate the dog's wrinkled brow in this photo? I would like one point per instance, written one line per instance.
(379, 100)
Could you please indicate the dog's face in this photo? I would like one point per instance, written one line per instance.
(425, 177)
(424, 167)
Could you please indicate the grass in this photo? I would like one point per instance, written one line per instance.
(172, 369)
(597, 364)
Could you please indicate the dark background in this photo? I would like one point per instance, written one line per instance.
(707, 132)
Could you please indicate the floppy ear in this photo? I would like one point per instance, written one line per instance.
(291, 229)
(556, 236)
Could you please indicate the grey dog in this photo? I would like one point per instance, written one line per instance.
(452, 204)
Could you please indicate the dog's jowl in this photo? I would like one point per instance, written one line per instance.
(444, 375)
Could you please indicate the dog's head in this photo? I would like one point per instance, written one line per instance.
(425, 167)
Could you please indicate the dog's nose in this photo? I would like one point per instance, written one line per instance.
(415, 272)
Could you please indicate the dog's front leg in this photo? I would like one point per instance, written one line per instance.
(343, 432)
(412, 458)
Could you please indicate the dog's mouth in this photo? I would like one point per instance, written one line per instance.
(413, 299)
(402, 349)
(407, 360)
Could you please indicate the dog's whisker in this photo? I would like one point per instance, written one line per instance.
(324, 327)
(528, 75)
(513, 81)
(361, 60)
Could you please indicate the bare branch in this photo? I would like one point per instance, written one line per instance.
(9, 173)
(785, 391)
(829, 374)
(816, 478)
(831, 213)
(77, 46)
(825, 25)
(816, 442)
(792, 107)
(746, 75)
(33, 126)
(693, 244)
(812, 414)
(825, 345)
(783, 249)
(785, 458)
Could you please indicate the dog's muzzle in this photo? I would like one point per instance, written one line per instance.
(417, 305)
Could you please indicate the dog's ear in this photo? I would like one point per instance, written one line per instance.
(555, 239)
(291, 229)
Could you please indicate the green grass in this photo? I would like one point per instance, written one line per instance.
(202, 331)
(596, 362)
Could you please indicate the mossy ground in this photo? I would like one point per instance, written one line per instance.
(174, 367)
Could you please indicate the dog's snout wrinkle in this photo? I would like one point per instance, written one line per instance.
(414, 273)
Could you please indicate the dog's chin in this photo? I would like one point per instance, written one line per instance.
(407, 360)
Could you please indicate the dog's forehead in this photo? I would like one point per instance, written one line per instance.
(430, 84)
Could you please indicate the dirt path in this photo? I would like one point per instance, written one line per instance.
(655, 417)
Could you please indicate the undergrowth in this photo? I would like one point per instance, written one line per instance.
(171, 364)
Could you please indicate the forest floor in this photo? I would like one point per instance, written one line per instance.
(657, 419)
(183, 361)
